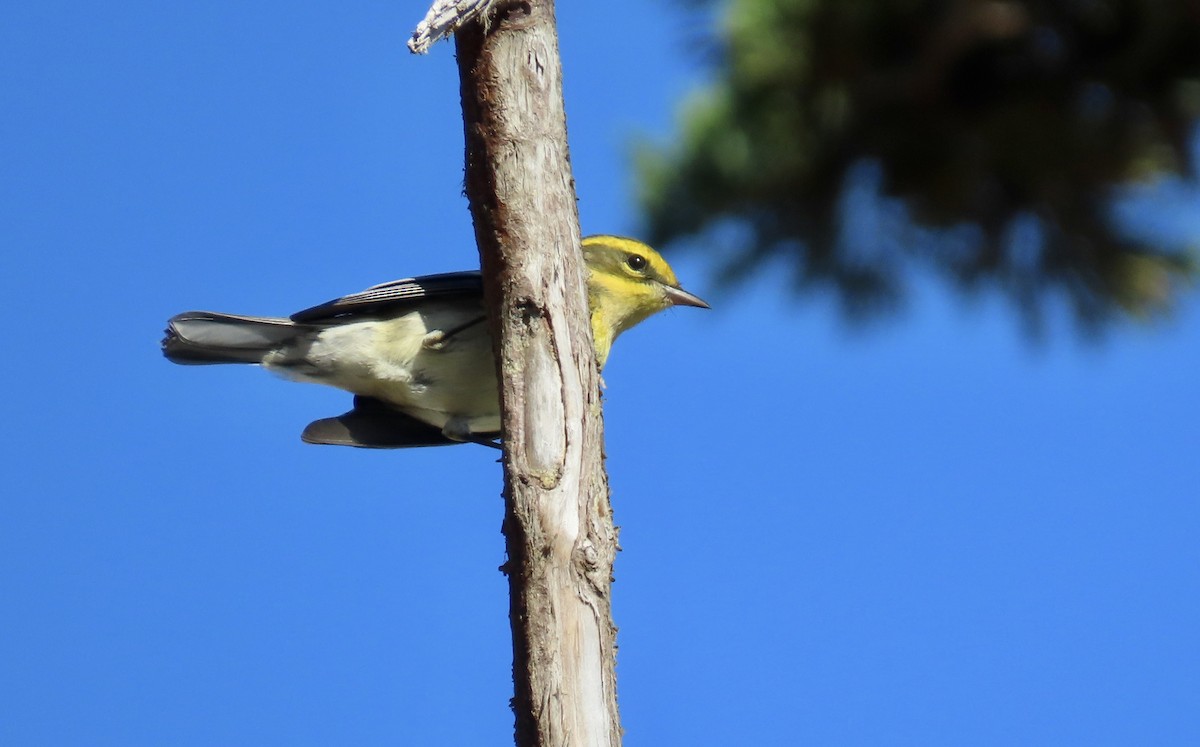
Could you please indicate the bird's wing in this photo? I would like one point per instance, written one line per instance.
(373, 424)
(395, 296)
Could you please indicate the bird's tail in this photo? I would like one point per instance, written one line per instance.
(202, 337)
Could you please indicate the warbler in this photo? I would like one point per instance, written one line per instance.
(416, 353)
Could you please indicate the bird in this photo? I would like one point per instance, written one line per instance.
(416, 353)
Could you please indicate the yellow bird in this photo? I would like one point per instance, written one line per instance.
(416, 353)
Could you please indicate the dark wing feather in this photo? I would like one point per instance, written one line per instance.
(373, 424)
(387, 298)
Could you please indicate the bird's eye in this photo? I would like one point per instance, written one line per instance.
(636, 262)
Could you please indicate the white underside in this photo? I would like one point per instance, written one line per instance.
(450, 384)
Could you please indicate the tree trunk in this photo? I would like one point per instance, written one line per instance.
(558, 520)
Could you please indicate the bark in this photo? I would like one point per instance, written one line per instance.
(558, 520)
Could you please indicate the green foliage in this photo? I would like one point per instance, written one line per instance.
(1002, 128)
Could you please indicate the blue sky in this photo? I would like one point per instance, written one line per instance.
(930, 532)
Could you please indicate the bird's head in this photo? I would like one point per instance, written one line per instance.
(627, 282)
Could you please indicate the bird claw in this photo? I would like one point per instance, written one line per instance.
(435, 340)
(458, 429)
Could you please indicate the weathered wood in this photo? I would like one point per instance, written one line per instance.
(558, 520)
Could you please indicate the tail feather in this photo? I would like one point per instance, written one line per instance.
(202, 337)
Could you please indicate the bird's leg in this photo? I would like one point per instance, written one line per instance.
(485, 441)
(437, 339)
(459, 429)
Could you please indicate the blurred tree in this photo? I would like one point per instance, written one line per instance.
(999, 132)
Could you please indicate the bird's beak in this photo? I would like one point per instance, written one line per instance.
(680, 297)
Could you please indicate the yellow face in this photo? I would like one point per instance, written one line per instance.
(627, 282)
